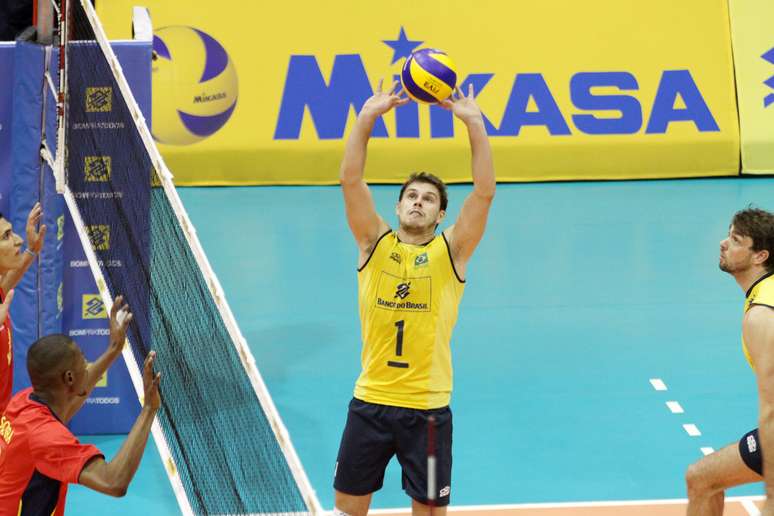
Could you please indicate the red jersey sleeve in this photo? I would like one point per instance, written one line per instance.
(58, 454)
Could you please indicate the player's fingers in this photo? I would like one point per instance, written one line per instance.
(148, 366)
(7, 300)
(379, 86)
(403, 101)
(116, 306)
(42, 231)
(470, 90)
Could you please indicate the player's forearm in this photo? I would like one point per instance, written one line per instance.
(102, 364)
(12, 277)
(353, 163)
(484, 182)
(124, 465)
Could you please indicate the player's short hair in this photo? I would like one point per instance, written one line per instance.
(48, 357)
(426, 177)
(757, 224)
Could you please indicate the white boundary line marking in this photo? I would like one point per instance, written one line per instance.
(675, 407)
(706, 450)
(744, 500)
(692, 430)
(658, 384)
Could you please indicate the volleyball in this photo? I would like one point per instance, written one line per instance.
(195, 85)
(428, 75)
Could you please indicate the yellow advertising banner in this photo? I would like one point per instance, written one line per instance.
(752, 31)
(266, 92)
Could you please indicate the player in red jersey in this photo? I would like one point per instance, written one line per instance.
(39, 456)
(13, 264)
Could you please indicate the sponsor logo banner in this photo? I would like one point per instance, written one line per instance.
(587, 94)
(753, 45)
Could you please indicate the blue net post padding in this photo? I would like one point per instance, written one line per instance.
(7, 55)
(36, 307)
(102, 174)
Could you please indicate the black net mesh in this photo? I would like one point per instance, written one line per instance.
(220, 438)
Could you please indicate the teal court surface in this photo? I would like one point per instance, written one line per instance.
(588, 307)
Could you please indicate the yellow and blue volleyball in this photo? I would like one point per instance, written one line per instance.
(195, 85)
(428, 76)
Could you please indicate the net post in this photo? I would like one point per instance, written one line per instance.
(60, 163)
(43, 12)
(431, 463)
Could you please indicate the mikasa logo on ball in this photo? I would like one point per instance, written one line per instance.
(209, 98)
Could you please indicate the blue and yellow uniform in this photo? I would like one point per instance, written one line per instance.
(760, 293)
(408, 296)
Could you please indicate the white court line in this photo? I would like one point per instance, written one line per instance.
(707, 450)
(674, 407)
(751, 508)
(658, 384)
(560, 505)
(692, 430)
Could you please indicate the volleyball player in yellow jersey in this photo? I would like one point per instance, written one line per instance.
(748, 255)
(410, 282)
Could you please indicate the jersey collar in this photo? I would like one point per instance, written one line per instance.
(34, 397)
(749, 291)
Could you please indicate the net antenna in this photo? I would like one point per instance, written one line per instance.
(51, 21)
(231, 467)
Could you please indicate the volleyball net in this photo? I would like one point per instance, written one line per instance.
(224, 446)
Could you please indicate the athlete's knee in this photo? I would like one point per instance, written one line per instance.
(699, 481)
(350, 505)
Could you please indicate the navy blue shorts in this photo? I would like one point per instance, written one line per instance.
(374, 433)
(750, 449)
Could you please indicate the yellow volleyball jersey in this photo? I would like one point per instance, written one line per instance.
(761, 293)
(408, 296)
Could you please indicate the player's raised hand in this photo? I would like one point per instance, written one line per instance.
(120, 317)
(151, 383)
(35, 235)
(383, 101)
(464, 107)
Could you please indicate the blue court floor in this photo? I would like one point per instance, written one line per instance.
(578, 296)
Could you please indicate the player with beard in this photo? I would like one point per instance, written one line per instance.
(747, 253)
(410, 283)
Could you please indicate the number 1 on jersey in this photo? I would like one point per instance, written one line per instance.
(399, 346)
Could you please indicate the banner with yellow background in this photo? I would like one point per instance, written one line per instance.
(752, 26)
(266, 92)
